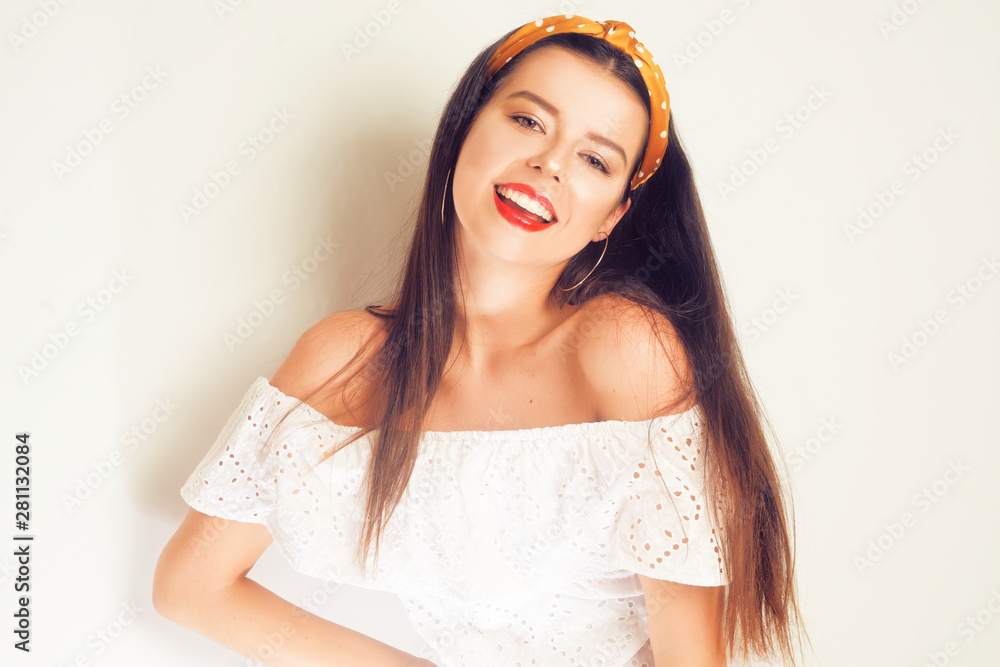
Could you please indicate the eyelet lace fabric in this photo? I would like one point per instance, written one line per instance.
(508, 548)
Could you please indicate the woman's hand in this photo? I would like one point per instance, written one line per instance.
(200, 583)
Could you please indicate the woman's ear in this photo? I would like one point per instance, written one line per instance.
(612, 219)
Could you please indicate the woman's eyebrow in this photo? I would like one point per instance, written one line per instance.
(527, 94)
(552, 111)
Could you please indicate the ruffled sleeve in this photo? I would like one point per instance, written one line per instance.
(235, 479)
(666, 533)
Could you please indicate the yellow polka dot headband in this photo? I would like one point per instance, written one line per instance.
(620, 35)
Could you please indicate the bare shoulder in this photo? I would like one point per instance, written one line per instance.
(323, 350)
(633, 359)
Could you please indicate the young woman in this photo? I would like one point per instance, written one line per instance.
(560, 453)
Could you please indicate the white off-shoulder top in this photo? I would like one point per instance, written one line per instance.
(509, 548)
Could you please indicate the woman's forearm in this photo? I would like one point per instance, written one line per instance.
(260, 624)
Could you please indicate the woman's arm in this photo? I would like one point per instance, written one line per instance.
(633, 372)
(685, 623)
(200, 582)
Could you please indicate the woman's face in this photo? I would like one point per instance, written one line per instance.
(564, 133)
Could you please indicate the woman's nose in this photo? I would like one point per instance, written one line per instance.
(551, 160)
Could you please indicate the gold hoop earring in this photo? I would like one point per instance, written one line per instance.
(445, 197)
(566, 289)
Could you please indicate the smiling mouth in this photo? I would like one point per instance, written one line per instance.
(525, 205)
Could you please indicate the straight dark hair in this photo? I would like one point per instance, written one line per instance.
(665, 223)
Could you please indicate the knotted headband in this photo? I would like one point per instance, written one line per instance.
(620, 35)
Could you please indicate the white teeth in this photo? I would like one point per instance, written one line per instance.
(525, 201)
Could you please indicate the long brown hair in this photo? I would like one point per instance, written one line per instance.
(399, 379)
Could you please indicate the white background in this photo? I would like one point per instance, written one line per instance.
(820, 309)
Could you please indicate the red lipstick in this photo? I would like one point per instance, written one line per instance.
(515, 217)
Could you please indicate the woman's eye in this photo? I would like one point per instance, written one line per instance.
(594, 162)
(531, 124)
(518, 120)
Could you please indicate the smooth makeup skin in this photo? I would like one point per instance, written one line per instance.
(553, 126)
